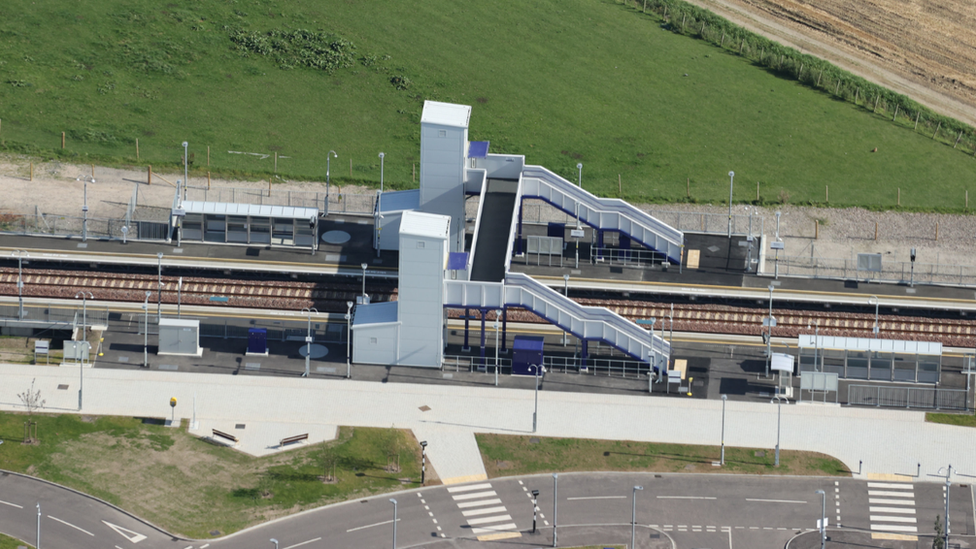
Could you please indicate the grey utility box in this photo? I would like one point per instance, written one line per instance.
(179, 337)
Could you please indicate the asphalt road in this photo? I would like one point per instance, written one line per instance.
(691, 511)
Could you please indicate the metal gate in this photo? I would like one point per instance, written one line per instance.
(152, 230)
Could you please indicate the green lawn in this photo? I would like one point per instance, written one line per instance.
(192, 487)
(507, 455)
(7, 542)
(963, 420)
(562, 82)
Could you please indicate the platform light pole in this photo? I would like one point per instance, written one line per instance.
(779, 415)
(328, 166)
(348, 339)
(722, 459)
(731, 179)
(21, 254)
(423, 462)
(379, 208)
(308, 340)
(816, 345)
(779, 245)
(145, 330)
(274, 541)
(945, 530)
(363, 265)
(159, 286)
(823, 518)
(633, 518)
(566, 295)
(186, 164)
(555, 507)
(394, 502)
(498, 314)
(85, 296)
(37, 545)
(876, 304)
(84, 209)
(769, 331)
(535, 412)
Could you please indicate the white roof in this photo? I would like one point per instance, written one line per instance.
(253, 210)
(400, 200)
(425, 224)
(375, 313)
(446, 114)
(931, 348)
(179, 322)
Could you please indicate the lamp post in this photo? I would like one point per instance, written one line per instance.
(722, 461)
(145, 344)
(650, 374)
(566, 295)
(159, 282)
(945, 530)
(776, 269)
(535, 411)
(423, 462)
(348, 339)
(308, 339)
(274, 541)
(363, 265)
(38, 544)
(779, 415)
(186, 163)
(555, 499)
(823, 519)
(769, 340)
(633, 518)
(328, 166)
(498, 314)
(535, 508)
(84, 337)
(816, 345)
(580, 183)
(876, 303)
(912, 256)
(20, 280)
(394, 502)
(731, 179)
(84, 209)
(379, 209)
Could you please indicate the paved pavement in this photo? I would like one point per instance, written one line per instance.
(886, 441)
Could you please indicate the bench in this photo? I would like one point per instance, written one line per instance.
(224, 435)
(292, 440)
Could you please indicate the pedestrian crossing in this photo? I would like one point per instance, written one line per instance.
(891, 507)
(484, 512)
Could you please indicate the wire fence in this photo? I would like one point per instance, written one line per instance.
(908, 397)
(900, 272)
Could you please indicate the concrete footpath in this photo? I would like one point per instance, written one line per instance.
(447, 417)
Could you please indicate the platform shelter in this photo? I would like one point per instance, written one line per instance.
(872, 359)
(248, 224)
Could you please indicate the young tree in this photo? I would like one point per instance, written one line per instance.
(939, 541)
(330, 457)
(32, 401)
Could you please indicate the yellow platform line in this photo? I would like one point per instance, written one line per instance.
(890, 477)
(898, 537)
(500, 535)
(462, 480)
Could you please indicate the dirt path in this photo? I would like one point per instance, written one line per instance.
(920, 48)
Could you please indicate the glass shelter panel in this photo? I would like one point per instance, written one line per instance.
(904, 368)
(833, 361)
(857, 365)
(881, 366)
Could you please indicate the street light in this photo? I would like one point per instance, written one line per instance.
(780, 245)
(555, 499)
(535, 412)
(731, 179)
(363, 265)
(328, 166)
(308, 339)
(159, 282)
(38, 544)
(84, 209)
(379, 209)
(779, 415)
(394, 502)
(633, 518)
(945, 532)
(876, 303)
(84, 336)
(912, 256)
(423, 462)
(145, 344)
(724, 398)
(186, 163)
(823, 519)
(274, 541)
(498, 314)
(566, 294)
(20, 280)
(769, 329)
(348, 339)
(816, 345)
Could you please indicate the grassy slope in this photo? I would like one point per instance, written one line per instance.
(560, 81)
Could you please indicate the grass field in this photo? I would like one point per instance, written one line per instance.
(562, 82)
(506, 455)
(7, 542)
(192, 487)
(962, 420)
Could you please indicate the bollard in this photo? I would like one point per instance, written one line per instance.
(208, 181)
(936, 231)
(816, 229)
(32, 171)
(62, 140)
(149, 176)
(875, 231)
(137, 149)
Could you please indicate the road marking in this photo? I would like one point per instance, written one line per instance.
(204, 546)
(469, 487)
(302, 543)
(682, 497)
(596, 497)
(901, 510)
(496, 528)
(478, 503)
(475, 496)
(889, 485)
(370, 525)
(890, 494)
(894, 528)
(892, 501)
(881, 518)
(71, 525)
(487, 520)
(11, 504)
(485, 511)
(135, 537)
(776, 500)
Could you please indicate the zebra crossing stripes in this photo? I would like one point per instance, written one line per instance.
(891, 507)
(483, 511)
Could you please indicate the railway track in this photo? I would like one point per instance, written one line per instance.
(332, 297)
